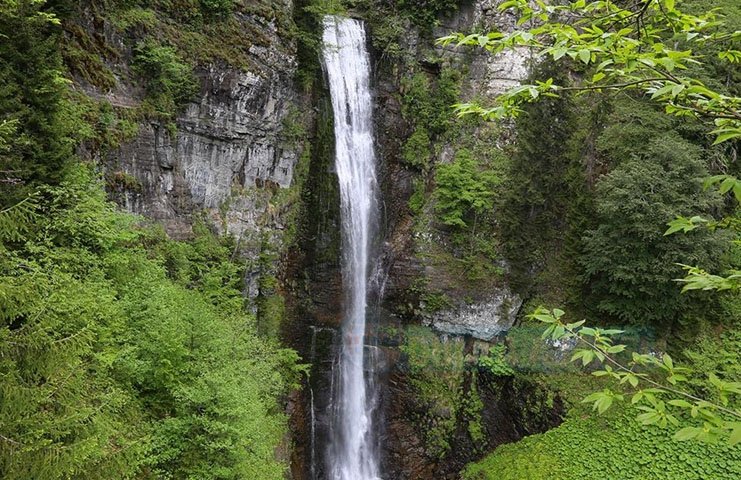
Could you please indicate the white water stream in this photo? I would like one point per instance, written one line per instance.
(352, 453)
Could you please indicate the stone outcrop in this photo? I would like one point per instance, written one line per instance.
(489, 74)
(225, 157)
(483, 320)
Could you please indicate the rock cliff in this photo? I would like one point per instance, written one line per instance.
(229, 155)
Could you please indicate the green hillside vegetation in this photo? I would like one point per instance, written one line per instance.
(123, 354)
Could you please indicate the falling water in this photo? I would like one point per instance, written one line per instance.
(352, 453)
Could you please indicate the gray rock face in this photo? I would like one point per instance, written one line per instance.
(227, 146)
(413, 247)
(482, 320)
(489, 74)
(227, 159)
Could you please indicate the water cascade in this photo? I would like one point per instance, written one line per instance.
(353, 453)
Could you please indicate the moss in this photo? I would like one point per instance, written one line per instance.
(436, 373)
(84, 55)
(495, 363)
(430, 301)
(418, 198)
(426, 13)
(100, 125)
(120, 180)
(416, 150)
(320, 196)
(586, 445)
(134, 17)
(271, 310)
(168, 79)
(427, 100)
(471, 411)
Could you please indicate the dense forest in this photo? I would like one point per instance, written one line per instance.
(560, 251)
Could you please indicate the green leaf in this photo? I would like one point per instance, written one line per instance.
(687, 433)
(724, 137)
(735, 437)
(668, 361)
(572, 326)
(663, 90)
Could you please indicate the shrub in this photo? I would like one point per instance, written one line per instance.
(464, 192)
(169, 79)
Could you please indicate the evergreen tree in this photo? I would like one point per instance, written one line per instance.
(536, 190)
(629, 264)
(31, 99)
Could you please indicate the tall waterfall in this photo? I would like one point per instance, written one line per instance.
(353, 454)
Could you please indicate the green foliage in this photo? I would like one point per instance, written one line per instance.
(585, 448)
(217, 8)
(321, 8)
(495, 363)
(125, 354)
(416, 150)
(527, 352)
(647, 46)
(16, 219)
(715, 354)
(190, 13)
(471, 409)
(628, 262)
(429, 105)
(417, 200)
(464, 191)
(658, 386)
(35, 146)
(84, 56)
(543, 193)
(436, 370)
(425, 13)
(169, 80)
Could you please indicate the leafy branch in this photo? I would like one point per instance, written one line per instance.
(697, 278)
(663, 400)
(646, 45)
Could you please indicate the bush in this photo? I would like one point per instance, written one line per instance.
(126, 355)
(217, 8)
(169, 79)
(416, 150)
(425, 13)
(614, 447)
(464, 191)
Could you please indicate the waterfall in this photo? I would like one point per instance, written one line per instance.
(353, 453)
